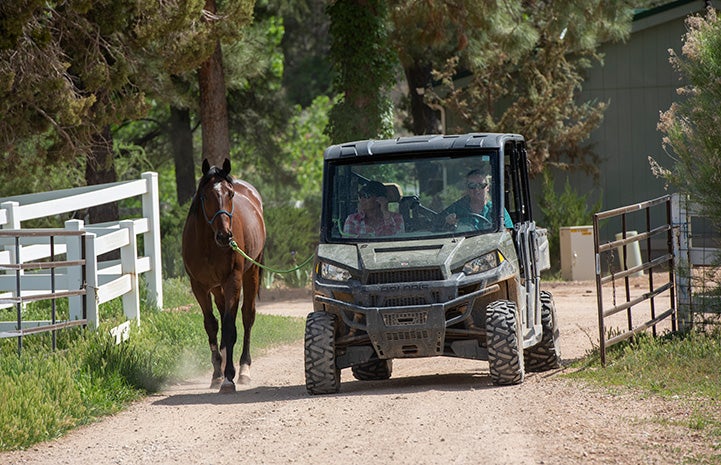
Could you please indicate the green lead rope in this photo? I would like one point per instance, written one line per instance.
(234, 246)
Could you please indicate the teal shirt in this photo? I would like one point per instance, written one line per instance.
(462, 207)
(507, 222)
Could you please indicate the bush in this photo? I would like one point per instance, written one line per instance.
(567, 209)
(172, 220)
(292, 239)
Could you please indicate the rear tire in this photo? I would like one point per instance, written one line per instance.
(505, 350)
(375, 370)
(322, 375)
(546, 355)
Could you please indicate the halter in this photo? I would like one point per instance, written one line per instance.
(219, 212)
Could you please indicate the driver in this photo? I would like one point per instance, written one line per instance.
(477, 201)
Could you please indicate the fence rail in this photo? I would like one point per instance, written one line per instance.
(26, 253)
(53, 281)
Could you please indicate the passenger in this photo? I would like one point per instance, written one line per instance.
(373, 217)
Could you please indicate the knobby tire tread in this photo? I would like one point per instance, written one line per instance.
(505, 354)
(546, 355)
(322, 375)
(374, 370)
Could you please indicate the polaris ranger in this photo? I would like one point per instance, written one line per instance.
(431, 279)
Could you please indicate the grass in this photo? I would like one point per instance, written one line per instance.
(681, 367)
(46, 393)
(670, 365)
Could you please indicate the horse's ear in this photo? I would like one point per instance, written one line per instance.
(206, 166)
(226, 166)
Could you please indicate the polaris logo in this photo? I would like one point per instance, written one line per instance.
(404, 287)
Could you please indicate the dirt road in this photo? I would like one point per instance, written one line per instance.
(432, 411)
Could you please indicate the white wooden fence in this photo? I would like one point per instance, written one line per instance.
(102, 281)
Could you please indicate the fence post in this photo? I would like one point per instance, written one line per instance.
(13, 222)
(91, 281)
(74, 275)
(151, 239)
(128, 266)
(682, 229)
(13, 217)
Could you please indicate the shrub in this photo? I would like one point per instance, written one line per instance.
(567, 209)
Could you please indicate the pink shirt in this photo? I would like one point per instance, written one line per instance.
(355, 225)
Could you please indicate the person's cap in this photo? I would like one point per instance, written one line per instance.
(374, 188)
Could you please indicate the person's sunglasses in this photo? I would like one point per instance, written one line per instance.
(480, 185)
(364, 195)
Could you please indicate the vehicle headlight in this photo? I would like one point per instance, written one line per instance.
(483, 263)
(334, 273)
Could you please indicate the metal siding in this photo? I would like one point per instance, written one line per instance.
(638, 82)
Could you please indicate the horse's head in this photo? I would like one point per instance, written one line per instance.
(215, 192)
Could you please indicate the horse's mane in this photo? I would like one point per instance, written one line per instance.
(213, 172)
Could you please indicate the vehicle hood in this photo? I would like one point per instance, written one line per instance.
(449, 254)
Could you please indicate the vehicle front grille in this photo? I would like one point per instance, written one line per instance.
(407, 335)
(405, 318)
(405, 276)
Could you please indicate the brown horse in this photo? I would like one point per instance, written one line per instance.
(225, 210)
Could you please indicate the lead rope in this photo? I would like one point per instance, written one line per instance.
(234, 246)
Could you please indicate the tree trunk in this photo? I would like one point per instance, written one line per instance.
(425, 119)
(100, 169)
(181, 139)
(214, 106)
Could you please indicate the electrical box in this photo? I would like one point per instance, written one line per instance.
(577, 253)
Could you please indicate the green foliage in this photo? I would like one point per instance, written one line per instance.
(307, 68)
(38, 391)
(172, 220)
(70, 69)
(45, 393)
(567, 209)
(305, 143)
(258, 109)
(691, 125)
(672, 365)
(364, 68)
(292, 238)
(526, 66)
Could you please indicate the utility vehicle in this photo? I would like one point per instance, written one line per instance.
(467, 288)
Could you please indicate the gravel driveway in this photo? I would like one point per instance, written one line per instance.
(432, 411)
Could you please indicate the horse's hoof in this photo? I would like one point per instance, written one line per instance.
(244, 375)
(227, 387)
(216, 382)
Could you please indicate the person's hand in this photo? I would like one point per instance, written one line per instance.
(383, 202)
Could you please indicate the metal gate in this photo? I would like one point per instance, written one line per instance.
(44, 279)
(628, 292)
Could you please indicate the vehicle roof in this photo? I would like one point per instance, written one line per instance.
(425, 143)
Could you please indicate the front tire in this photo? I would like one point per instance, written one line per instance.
(505, 350)
(546, 355)
(322, 375)
(375, 370)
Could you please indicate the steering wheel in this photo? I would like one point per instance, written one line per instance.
(475, 221)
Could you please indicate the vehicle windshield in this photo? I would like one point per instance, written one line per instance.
(414, 197)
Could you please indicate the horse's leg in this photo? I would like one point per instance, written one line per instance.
(228, 300)
(219, 299)
(211, 329)
(251, 284)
